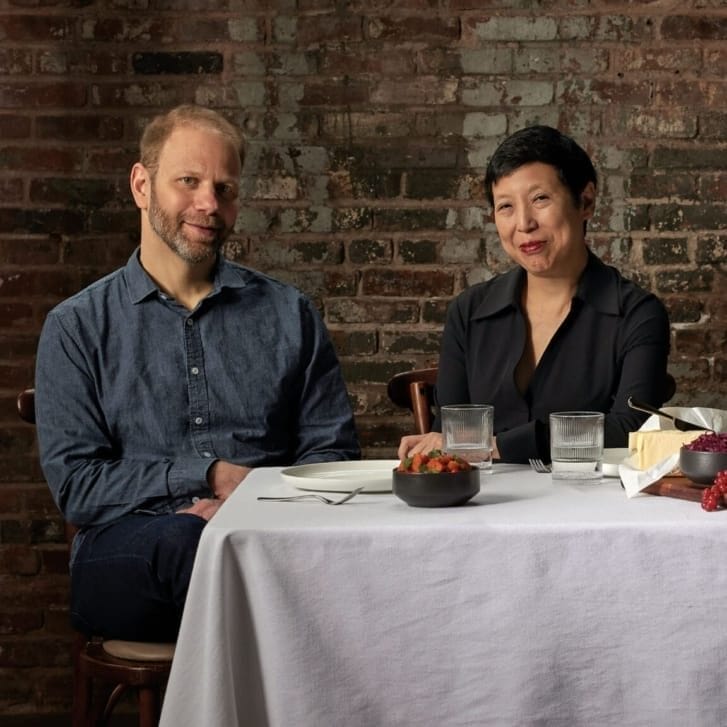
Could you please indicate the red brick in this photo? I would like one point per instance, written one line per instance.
(14, 127)
(36, 28)
(11, 190)
(657, 59)
(20, 622)
(713, 185)
(13, 315)
(79, 128)
(362, 310)
(41, 159)
(107, 251)
(76, 62)
(23, 95)
(395, 62)
(131, 95)
(120, 30)
(22, 283)
(597, 91)
(19, 560)
(325, 28)
(432, 29)
(111, 160)
(424, 90)
(35, 652)
(327, 93)
(15, 61)
(694, 27)
(28, 251)
(424, 283)
(690, 93)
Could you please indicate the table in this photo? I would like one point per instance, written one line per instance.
(535, 604)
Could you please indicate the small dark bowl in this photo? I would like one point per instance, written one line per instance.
(701, 467)
(440, 489)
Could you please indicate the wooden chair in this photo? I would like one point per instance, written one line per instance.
(414, 390)
(104, 670)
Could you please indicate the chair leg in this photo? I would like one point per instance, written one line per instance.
(149, 706)
(82, 688)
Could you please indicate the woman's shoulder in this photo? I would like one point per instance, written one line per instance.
(492, 295)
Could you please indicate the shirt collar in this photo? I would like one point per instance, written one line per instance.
(597, 287)
(141, 286)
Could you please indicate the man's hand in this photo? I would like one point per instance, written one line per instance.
(223, 477)
(204, 508)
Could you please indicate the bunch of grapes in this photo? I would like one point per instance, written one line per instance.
(713, 498)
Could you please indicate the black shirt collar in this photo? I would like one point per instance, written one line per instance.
(597, 287)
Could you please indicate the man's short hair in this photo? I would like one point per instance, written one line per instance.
(161, 127)
(545, 145)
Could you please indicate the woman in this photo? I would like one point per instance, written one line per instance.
(562, 330)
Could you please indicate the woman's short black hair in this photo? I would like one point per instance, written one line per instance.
(545, 145)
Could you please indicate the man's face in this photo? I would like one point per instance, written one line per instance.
(193, 196)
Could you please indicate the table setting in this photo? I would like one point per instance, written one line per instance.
(533, 601)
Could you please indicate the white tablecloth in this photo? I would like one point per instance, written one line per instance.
(535, 604)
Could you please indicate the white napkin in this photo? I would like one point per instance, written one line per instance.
(635, 480)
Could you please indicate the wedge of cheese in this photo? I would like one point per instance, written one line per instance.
(650, 448)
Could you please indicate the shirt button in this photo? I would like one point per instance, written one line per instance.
(190, 322)
(195, 370)
(206, 454)
(198, 420)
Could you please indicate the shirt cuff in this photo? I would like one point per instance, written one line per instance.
(188, 476)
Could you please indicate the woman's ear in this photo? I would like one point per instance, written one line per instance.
(140, 181)
(588, 200)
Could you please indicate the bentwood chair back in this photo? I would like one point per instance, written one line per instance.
(104, 670)
(414, 390)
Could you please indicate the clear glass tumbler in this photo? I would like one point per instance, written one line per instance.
(576, 445)
(467, 431)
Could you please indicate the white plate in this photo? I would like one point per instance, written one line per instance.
(374, 475)
(612, 458)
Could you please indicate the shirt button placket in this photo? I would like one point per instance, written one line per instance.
(197, 387)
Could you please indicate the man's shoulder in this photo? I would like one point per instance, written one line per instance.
(240, 276)
(98, 293)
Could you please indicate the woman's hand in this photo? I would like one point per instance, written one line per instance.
(413, 443)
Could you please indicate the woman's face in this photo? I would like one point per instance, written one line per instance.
(539, 224)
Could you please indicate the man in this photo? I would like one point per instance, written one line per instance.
(160, 386)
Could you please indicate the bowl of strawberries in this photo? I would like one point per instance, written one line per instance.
(436, 479)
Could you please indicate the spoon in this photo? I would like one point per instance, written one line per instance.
(680, 424)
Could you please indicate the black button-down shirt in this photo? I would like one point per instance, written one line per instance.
(613, 344)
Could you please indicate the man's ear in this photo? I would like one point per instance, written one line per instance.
(588, 200)
(140, 181)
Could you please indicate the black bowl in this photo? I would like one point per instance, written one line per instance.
(701, 467)
(436, 489)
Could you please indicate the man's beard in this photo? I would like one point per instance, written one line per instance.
(169, 230)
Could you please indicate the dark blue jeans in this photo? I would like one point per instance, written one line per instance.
(129, 578)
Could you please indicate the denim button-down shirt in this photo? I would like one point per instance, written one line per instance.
(136, 396)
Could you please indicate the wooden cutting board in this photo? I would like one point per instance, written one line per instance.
(679, 487)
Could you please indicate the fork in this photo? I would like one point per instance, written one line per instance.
(539, 466)
(312, 496)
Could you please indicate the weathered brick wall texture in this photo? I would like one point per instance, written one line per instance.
(370, 123)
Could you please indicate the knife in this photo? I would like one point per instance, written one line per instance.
(680, 424)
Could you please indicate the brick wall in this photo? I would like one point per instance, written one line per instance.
(370, 123)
